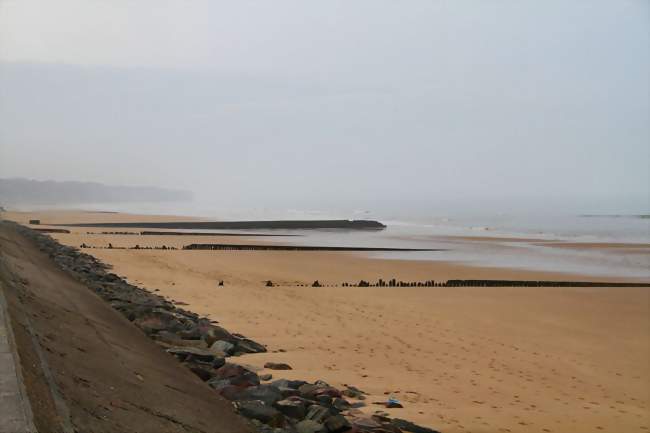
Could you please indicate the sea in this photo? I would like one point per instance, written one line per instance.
(519, 240)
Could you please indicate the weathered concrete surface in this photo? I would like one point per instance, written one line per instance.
(15, 411)
(89, 360)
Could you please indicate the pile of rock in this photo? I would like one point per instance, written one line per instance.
(282, 406)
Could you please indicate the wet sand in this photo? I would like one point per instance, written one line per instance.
(460, 359)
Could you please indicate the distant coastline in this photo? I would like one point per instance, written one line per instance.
(20, 191)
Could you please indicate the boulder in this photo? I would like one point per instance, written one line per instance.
(153, 322)
(261, 412)
(311, 391)
(203, 373)
(222, 346)
(193, 333)
(310, 426)
(293, 408)
(324, 400)
(165, 338)
(185, 353)
(211, 333)
(230, 392)
(337, 424)
(289, 392)
(410, 427)
(285, 383)
(352, 392)
(277, 366)
(237, 375)
(341, 404)
(307, 390)
(265, 393)
(317, 413)
(365, 423)
(218, 362)
(246, 345)
(219, 384)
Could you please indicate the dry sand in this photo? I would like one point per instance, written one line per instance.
(460, 359)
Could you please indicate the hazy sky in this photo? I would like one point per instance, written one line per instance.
(310, 103)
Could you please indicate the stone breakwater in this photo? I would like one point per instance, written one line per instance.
(281, 406)
(244, 225)
(252, 247)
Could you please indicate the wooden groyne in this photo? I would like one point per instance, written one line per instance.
(515, 283)
(154, 233)
(244, 247)
(245, 225)
(490, 283)
(48, 230)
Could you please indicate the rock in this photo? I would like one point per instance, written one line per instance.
(308, 390)
(310, 426)
(393, 405)
(192, 354)
(222, 346)
(352, 392)
(261, 412)
(289, 392)
(169, 337)
(265, 393)
(169, 342)
(258, 427)
(293, 408)
(317, 413)
(211, 333)
(410, 427)
(190, 334)
(284, 383)
(203, 373)
(267, 376)
(230, 392)
(237, 375)
(220, 384)
(337, 424)
(153, 322)
(341, 404)
(218, 362)
(246, 345)
(365, 423)
(277, 366)
(312, 391)
(324, 400)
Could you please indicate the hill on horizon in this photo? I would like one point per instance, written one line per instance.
(28, 191)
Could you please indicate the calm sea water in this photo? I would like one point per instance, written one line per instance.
(443, 232)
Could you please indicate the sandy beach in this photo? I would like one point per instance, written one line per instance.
(459, 359)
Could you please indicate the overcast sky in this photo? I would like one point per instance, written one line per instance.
(310, 103)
